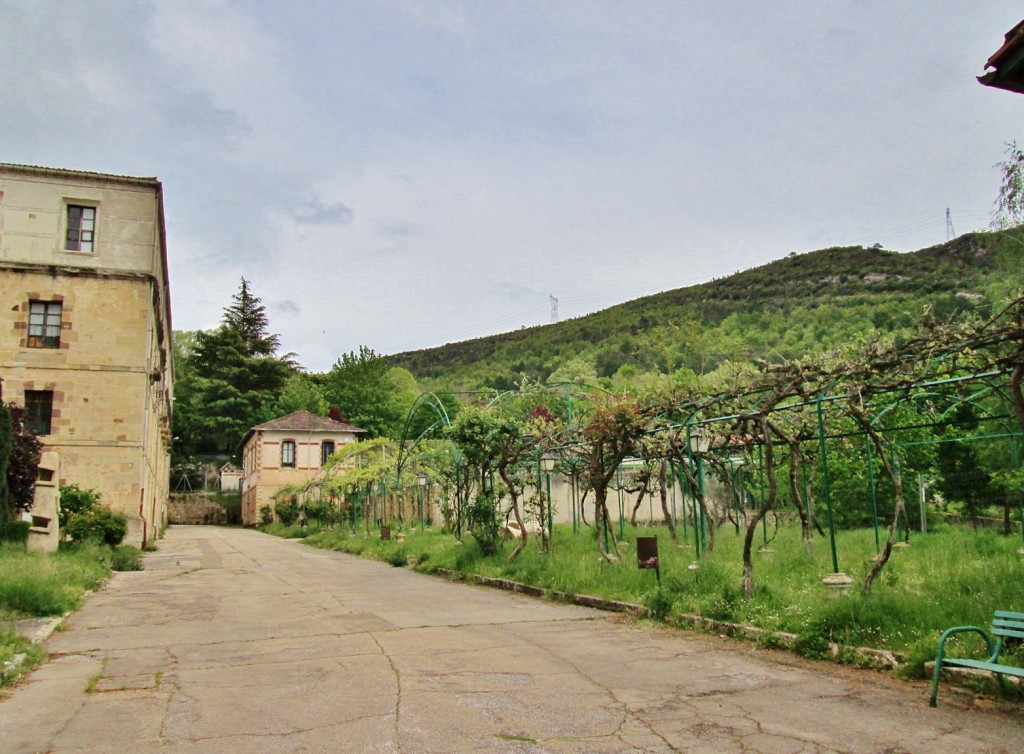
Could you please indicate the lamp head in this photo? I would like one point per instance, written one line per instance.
(699, 440)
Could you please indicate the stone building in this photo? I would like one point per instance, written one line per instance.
(287, 450)
(85, 330)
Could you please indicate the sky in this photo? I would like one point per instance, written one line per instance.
(405, 173)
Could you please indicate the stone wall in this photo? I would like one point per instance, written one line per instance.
(196, 508)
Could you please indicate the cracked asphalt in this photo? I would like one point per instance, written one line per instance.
(234, 641)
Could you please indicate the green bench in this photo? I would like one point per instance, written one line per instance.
(1004, 625)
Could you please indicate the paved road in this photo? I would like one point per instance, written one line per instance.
(233, 641)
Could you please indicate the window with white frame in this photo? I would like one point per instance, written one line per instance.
(80, 232)
(44, 324)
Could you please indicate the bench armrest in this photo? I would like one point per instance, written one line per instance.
(941, 650)
(940, 653)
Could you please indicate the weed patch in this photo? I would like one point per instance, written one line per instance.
(35, 584)
(17, 656)
(126, 558)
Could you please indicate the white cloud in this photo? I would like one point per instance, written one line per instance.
(451, 18)
(315, 212)
(215, 46)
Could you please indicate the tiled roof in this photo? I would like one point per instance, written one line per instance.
(304, 421)
(1008, 70)
(68, 173)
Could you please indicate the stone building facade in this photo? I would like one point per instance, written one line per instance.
(85, 330)
(287, 451)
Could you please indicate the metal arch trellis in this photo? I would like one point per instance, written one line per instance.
(823, 398)
(423, 400)
(867, 389)
(431, 401)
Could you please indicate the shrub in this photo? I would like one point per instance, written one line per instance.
(813, 645)
(660, 602)
(287, 513)
(14, 531)
(397, 557)
(101, 526)
(318, 510)
(266, 515)
(75, 501)
(19, 461)
(484, 522)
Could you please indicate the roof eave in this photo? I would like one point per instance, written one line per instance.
(1007, 63)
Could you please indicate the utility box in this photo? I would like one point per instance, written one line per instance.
(647, 554)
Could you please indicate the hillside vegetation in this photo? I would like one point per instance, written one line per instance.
(801, 304)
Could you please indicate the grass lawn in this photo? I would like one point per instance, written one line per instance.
(951, 576)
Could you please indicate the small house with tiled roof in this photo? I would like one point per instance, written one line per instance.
(287, 451)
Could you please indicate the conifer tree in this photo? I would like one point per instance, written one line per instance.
(248, 317)
(234, 379)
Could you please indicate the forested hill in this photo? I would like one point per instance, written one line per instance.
(800, 304)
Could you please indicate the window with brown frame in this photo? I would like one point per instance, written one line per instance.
(326, 451)
(38, 410)
(81, 228)
(44, 319)
(288, 453)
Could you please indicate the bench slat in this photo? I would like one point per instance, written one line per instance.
(982, 665)
(1009, 615)
(1008, 622)
(1016, 633)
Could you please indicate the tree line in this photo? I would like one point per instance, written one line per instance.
(232, 378)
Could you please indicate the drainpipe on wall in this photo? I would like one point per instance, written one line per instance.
(148, 384)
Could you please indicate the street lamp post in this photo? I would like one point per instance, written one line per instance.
(421, 483)
(699, 444)
(458, 500)
(547, 463)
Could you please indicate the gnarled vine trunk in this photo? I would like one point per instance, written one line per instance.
(514, 495)
(767, 505)
(663, 489)
(900, 508)
(603, 522)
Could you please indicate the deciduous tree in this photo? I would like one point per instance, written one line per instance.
(360, 385)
